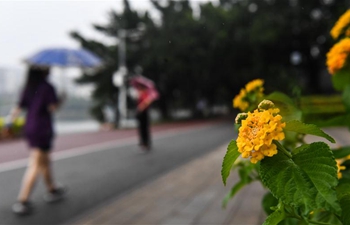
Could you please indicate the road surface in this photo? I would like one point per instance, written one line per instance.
(98, 173)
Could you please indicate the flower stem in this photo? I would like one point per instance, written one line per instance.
(283, 149)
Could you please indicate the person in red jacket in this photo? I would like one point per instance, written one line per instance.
(146, 95)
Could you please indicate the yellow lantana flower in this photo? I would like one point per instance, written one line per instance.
(19, 121)
(340, 167)
(242, 100)
(253, 85)
(239, 102)
(258, 131)
(337, 56)
(339, 26)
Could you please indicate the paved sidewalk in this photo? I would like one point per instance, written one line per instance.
(191, 194)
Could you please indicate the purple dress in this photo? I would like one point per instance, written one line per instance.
(39, 126)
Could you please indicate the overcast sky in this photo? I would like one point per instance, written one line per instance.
(28, 26)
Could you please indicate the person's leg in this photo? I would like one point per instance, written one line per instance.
(54, 193)
(139, 128)
(143, 128)
(45, 169)
(147, 130)
(30, 175)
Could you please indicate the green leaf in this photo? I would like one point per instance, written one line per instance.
(341, 79)
(276, 217)
(300, 127)
(343, 188)
(246, 174)
(325, 217)
(343, 193)
(341, 152)
(289, 221)
(280, 97)
(346, 97)
(345, 205)
(269, 201)
(247, 170)
(238, 186)
(287, 108)
(300, 148)
(230, 157)
(306, 181)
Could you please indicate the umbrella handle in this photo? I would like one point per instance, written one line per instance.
(63, 82)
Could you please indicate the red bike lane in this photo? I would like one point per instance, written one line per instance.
(13, 150)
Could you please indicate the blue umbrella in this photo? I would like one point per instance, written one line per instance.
(64, 57)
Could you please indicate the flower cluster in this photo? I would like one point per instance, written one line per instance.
(336, 57)
(248, 95)
(240, 102)
(341, 25)
(258, 130)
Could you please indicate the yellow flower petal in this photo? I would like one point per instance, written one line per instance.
(257, 132)
(336, 57)
(339, 26)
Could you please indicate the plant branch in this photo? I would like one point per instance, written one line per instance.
(319, 223)
(283, 149)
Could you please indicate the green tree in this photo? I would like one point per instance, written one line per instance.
(213, 54)
(105, 92)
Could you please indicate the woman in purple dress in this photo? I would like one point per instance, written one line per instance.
(39, 100)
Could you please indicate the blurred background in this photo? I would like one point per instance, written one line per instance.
(198, 53)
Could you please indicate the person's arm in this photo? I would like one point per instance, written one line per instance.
(144, 104)
(55, 106)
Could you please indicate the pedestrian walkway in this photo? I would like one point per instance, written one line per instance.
(191, 194)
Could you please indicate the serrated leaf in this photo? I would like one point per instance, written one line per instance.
(306, 181)
(300, 127)
(230, 157)
(319, 165)
(341, 152)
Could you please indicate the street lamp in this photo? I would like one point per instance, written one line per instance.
(120, 74)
